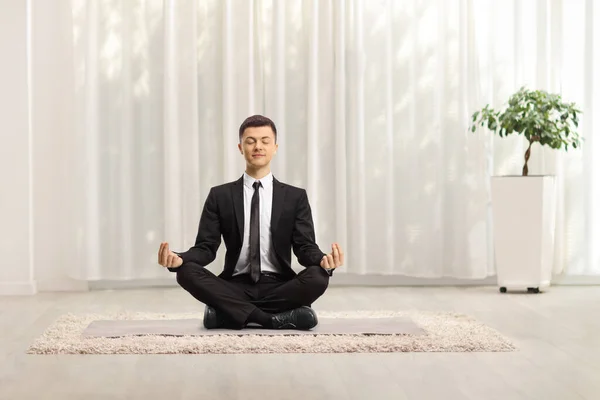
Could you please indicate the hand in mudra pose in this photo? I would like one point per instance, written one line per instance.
(167, 258)
(334, 259)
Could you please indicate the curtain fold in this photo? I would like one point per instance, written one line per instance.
(372, 100)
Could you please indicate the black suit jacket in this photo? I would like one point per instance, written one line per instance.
(223, 215)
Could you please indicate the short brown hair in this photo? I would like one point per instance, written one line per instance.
(254, 122)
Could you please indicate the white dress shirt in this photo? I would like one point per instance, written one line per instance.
(267, 255)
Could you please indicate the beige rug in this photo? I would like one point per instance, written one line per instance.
(444, 332)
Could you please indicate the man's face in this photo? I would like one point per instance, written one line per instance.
(258, 146)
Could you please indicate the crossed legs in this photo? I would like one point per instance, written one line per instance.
(238, 298)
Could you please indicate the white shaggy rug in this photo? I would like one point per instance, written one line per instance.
(444, 332)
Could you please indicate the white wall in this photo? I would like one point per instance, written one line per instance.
(16, 275)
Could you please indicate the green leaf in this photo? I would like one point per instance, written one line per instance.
(537, 115)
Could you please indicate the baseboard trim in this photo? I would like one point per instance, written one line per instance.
(347, 279)
(17, 288)
(62, 285)
(132, 284)
(401, 280)
(337, 280)
(576, 280)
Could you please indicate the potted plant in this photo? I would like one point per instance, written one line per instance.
(523, 206)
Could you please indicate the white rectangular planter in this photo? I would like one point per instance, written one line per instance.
(523, 209)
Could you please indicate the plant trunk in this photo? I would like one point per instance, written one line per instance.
(527, 154)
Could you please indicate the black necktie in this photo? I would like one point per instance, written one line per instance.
(255, 234)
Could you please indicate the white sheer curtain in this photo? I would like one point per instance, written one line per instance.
(372, 100)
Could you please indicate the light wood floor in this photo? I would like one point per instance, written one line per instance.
(557, 334)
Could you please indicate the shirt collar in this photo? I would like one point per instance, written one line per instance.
(265, 181)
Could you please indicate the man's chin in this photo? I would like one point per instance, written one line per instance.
(258, 163)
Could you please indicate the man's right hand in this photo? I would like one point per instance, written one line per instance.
(167, 258)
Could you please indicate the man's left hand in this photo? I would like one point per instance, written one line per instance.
(334, 259)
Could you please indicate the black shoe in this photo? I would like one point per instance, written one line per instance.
(303, 318)
(212, 318)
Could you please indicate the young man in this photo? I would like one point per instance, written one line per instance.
(261, 221)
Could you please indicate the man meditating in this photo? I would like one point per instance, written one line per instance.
(261, 221)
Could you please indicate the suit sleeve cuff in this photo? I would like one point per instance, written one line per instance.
(175, 269)
(327, 271)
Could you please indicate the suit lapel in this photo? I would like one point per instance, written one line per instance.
(237, 192)
(278, 199)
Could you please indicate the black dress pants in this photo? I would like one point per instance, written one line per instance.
(240, 296)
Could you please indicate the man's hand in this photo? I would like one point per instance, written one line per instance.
(167, 258)
(333, 260)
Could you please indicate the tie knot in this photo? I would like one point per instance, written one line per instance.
(256, 185)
